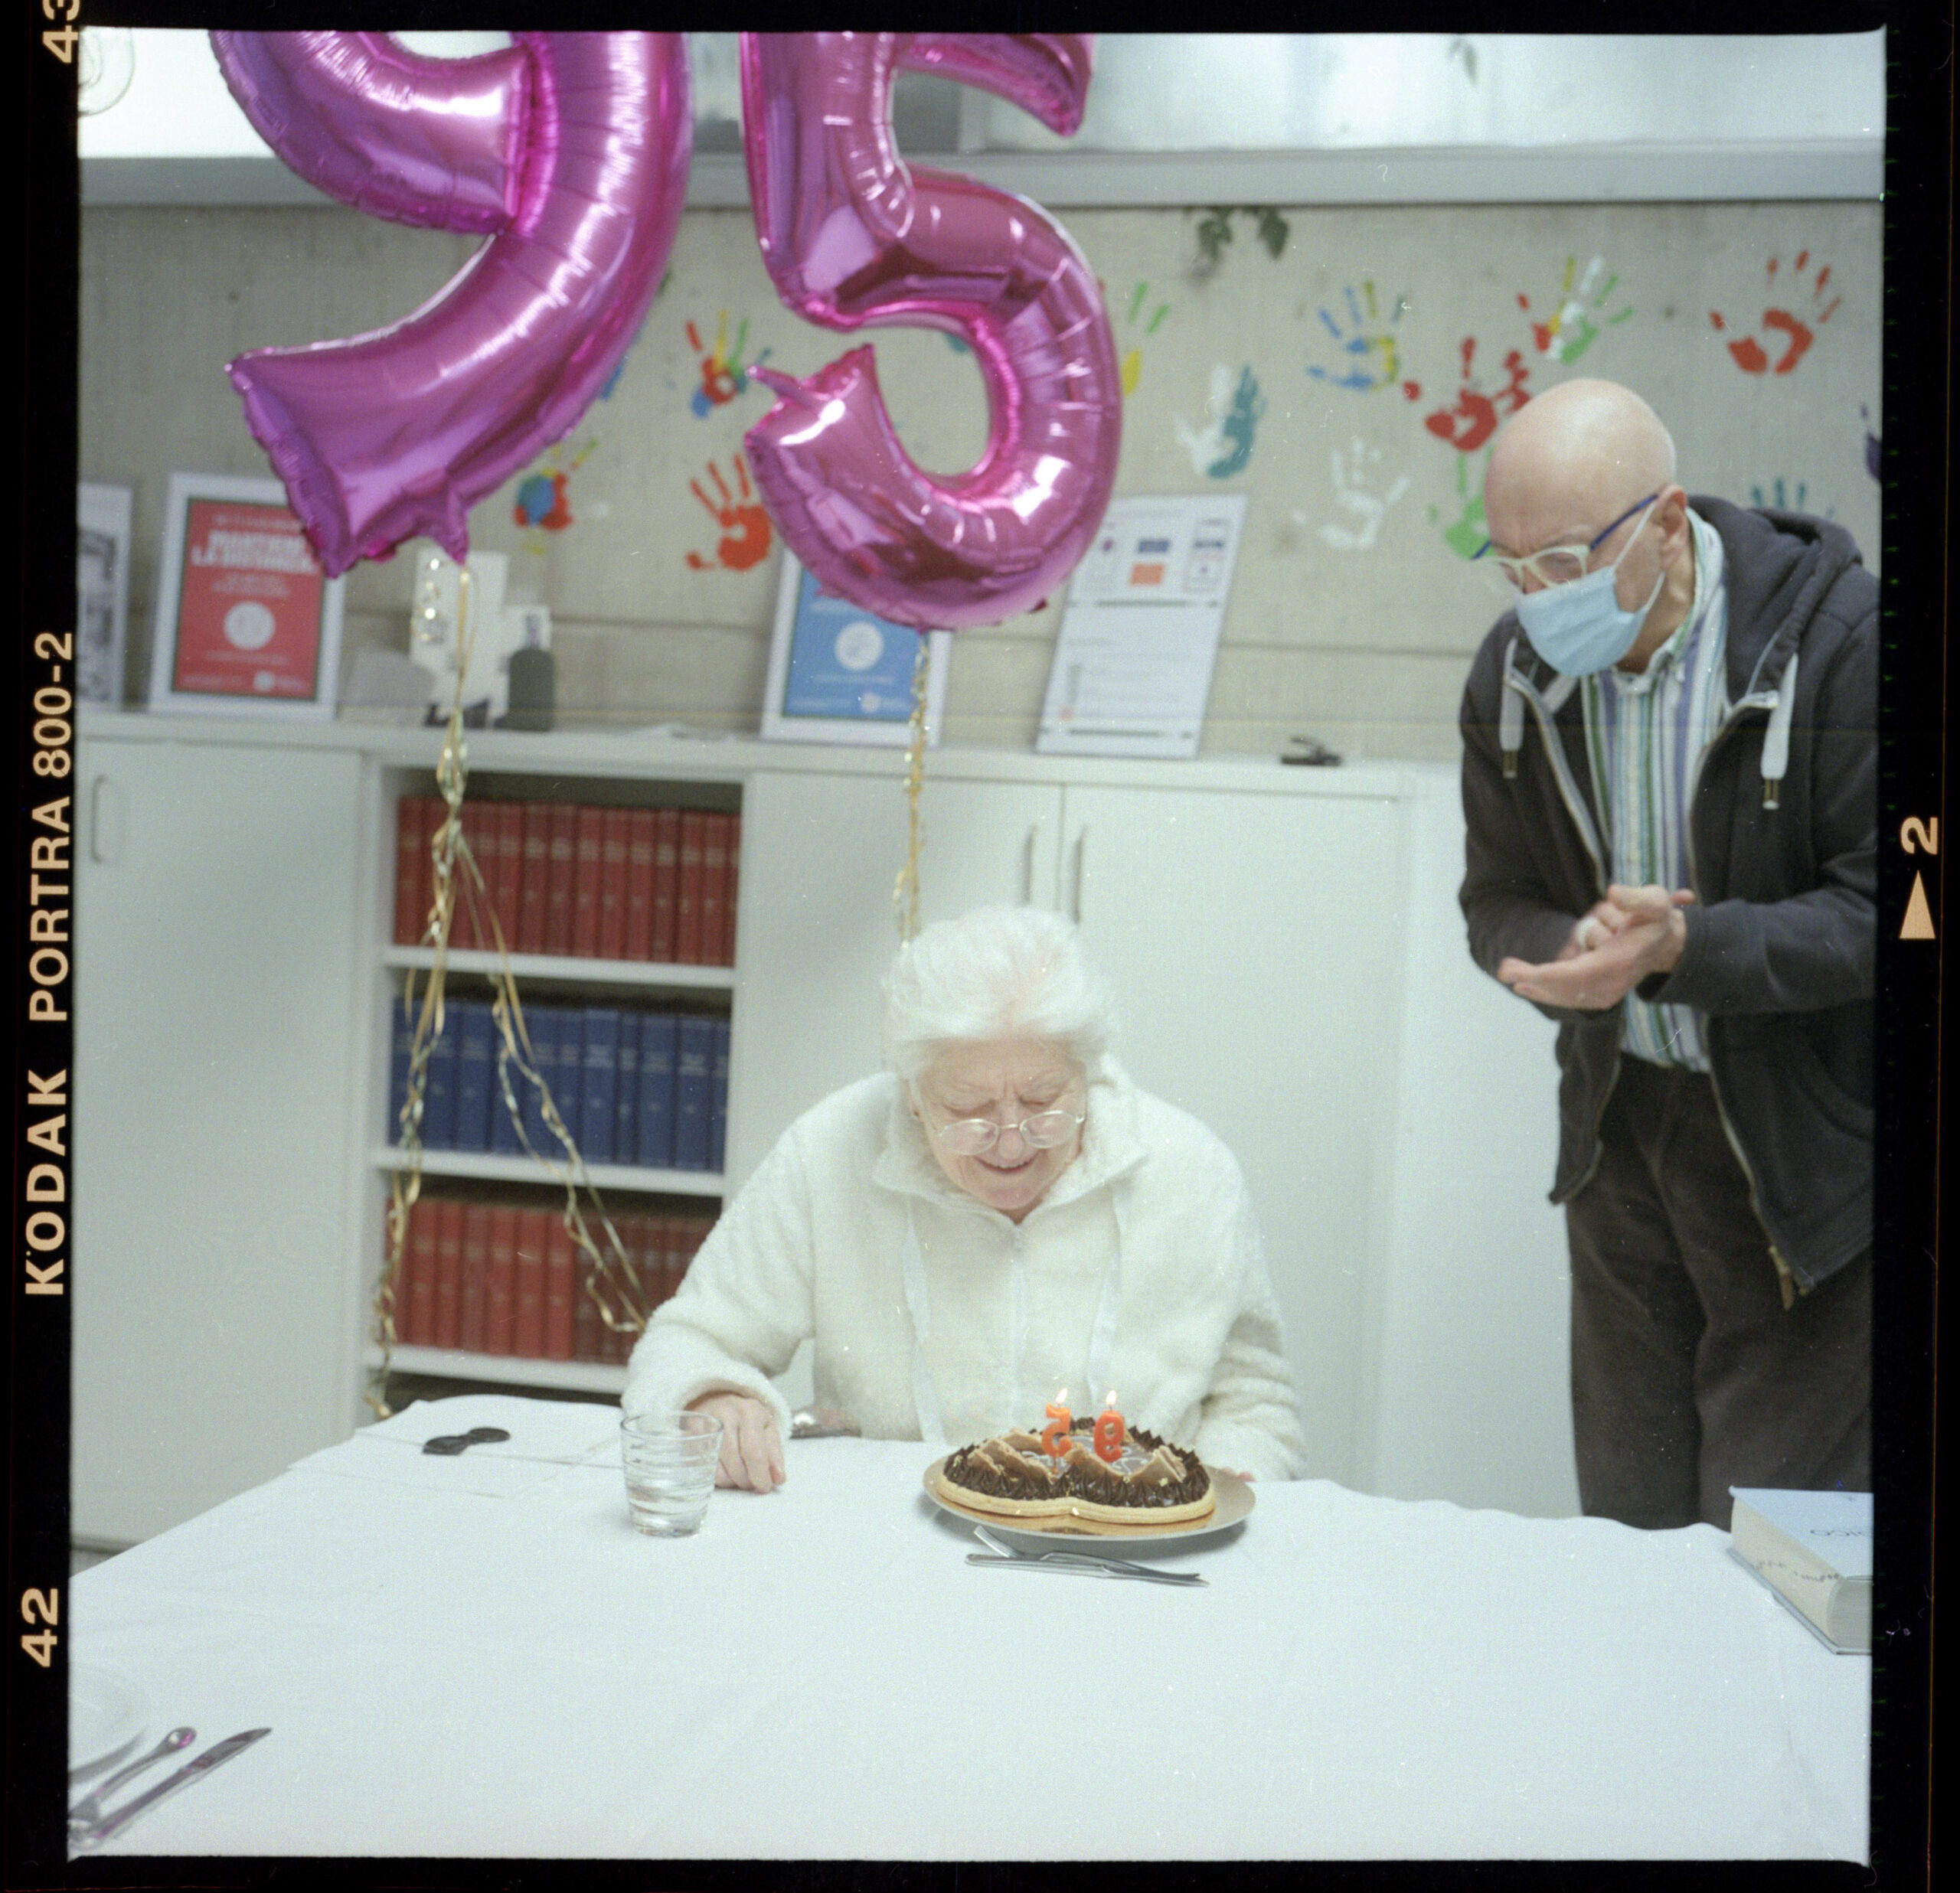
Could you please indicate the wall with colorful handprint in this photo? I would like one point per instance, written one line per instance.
(1346, 368)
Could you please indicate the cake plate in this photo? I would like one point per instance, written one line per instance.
(1235, 1503)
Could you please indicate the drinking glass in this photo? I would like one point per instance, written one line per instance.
(670, 1460)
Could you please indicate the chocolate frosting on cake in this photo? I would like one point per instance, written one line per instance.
(1172, 1475)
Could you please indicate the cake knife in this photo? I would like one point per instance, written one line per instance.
(192, 1772)
(1087, 1561)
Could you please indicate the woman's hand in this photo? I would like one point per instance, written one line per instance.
(751, 1443)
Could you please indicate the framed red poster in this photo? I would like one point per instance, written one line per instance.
(246, 622)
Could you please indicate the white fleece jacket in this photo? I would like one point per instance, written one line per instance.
(813, 1246)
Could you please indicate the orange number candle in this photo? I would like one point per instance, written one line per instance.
(1054, 1435)
(1110, 1433)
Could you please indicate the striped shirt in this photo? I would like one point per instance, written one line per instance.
(1646, 733)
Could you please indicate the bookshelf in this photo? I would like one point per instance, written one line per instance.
(453, 1363)
(549, 983)
(523, 1169)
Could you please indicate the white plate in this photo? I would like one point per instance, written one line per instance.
(106, 1713)
(1235, 1502)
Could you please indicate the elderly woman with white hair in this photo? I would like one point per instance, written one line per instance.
(1000, 1215)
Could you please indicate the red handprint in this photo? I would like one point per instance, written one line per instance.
(745, 525)
(1749, 353)
(1473, 418)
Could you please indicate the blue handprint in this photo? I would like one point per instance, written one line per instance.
(1373, 360)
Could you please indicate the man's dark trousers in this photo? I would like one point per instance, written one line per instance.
(1689, 1374)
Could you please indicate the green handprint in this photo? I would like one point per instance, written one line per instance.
(1570, 329)
(1467, 534)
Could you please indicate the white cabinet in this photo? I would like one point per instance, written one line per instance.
(1245, 936)
(219, 904)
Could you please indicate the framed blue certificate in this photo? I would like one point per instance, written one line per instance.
(839, 674)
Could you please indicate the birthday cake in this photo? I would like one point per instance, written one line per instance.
(1149, 1483)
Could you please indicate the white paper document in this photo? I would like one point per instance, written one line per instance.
(1133, 662)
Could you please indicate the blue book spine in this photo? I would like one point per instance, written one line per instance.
(439, 1093)
(717, 1116)
(693, 1076)
(474, 1028)
(626, 1092)
(401, 1048)
(659, 1032)
(568, 1077)
(541, 1022)
(503, 1127)
(598, 1108)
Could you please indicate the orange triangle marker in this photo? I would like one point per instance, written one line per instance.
(1919, 916)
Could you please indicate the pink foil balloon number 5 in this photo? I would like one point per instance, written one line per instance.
(571, 150)
(852, 237)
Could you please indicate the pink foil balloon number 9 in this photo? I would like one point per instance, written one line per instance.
(571, 150)
(852, 237)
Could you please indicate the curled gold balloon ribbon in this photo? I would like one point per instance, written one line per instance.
(611, 1277)
(905, 889)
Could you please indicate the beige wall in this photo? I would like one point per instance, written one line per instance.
(1353, 617)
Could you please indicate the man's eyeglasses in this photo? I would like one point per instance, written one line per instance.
(974, 1137)
(1558, 565)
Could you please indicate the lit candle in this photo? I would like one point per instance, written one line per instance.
(1055, 1434)
(1109, 1431)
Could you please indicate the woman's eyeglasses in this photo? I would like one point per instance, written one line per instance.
(974, 1137)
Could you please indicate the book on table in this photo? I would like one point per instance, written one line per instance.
(1814, 1551)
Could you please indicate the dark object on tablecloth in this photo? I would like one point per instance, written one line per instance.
(450, 1444)
(1308, 750)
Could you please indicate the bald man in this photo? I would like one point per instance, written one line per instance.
(1669, 782)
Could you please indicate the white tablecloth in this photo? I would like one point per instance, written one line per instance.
(478, 1657)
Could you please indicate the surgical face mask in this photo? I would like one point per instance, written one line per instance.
(1580, 626)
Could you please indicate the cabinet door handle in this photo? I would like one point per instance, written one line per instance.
(1027, 863)
(1081, 873)
(105, 822)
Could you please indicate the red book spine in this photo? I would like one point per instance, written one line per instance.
(411, 871)
(615, 840)
(637, 941)
(469, 900)
(645, 1245)
(448, 1272)
(589, 869)
(415, 1294)
(534, 882)
(561, 1258)
(690, 1232)
(486, 841)
(500, 1300)
(734, 882)
(558, 900)
(586, 1326)
(509, 869)
(528, 1319)
(656, 1237)
(687, 891)
(475, 1277)
(435, 812)
(633, 1238)
(615, 1284)
(714, 885)
(666, 872)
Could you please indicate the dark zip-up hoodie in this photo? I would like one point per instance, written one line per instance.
(1782, 843)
